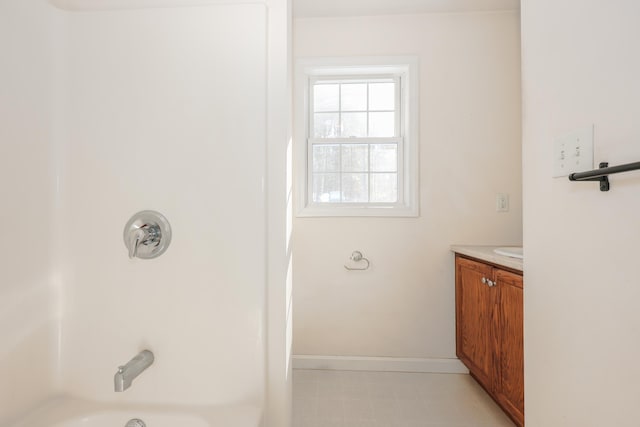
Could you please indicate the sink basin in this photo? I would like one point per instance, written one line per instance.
(511, 251)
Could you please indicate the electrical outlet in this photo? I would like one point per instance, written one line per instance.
(573, 152)
(502, 202)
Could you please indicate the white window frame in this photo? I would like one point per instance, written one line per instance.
(405, 69)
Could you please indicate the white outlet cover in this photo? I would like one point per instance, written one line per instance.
(502, 202)
(573, 152)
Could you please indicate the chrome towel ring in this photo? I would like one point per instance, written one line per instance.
(357, 257)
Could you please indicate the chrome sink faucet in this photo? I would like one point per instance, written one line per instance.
(127, 373)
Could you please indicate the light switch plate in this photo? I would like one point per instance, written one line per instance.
(573, 152)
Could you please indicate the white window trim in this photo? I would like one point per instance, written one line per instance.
(407, 68)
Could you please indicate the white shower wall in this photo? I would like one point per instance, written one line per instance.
(103, 113)
(28, 320)
(108, 112)
(165, 109)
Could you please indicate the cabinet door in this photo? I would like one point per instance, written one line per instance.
(509, 388)
(475, 303)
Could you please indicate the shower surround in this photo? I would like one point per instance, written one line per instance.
(106, 112)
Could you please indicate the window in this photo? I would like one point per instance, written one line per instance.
(357, 143)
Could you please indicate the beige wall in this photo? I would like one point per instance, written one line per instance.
(469, 151)
(581, 67)
(27, 318)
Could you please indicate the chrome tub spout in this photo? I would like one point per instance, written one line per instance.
(127, 373)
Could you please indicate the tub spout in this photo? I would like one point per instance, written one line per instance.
(127, 373)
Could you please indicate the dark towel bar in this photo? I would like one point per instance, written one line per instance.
(602, 174)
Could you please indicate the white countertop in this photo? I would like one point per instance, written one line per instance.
(485, 253)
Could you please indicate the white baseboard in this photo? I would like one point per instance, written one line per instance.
(384, 364)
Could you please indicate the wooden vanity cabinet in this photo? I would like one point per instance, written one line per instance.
(475, 303)
(489, 331)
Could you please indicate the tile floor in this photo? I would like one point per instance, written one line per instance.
(391, 399)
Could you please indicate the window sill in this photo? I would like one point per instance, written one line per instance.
(368, 211)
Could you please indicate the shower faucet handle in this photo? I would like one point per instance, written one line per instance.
(147, 235)
(138, 236)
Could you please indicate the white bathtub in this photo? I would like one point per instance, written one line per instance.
(69, 412)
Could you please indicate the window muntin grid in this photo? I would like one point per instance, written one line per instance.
(354, 108)
(355, 144)
(355, 173)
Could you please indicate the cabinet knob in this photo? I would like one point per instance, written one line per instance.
(484, 280)
(490, 283)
